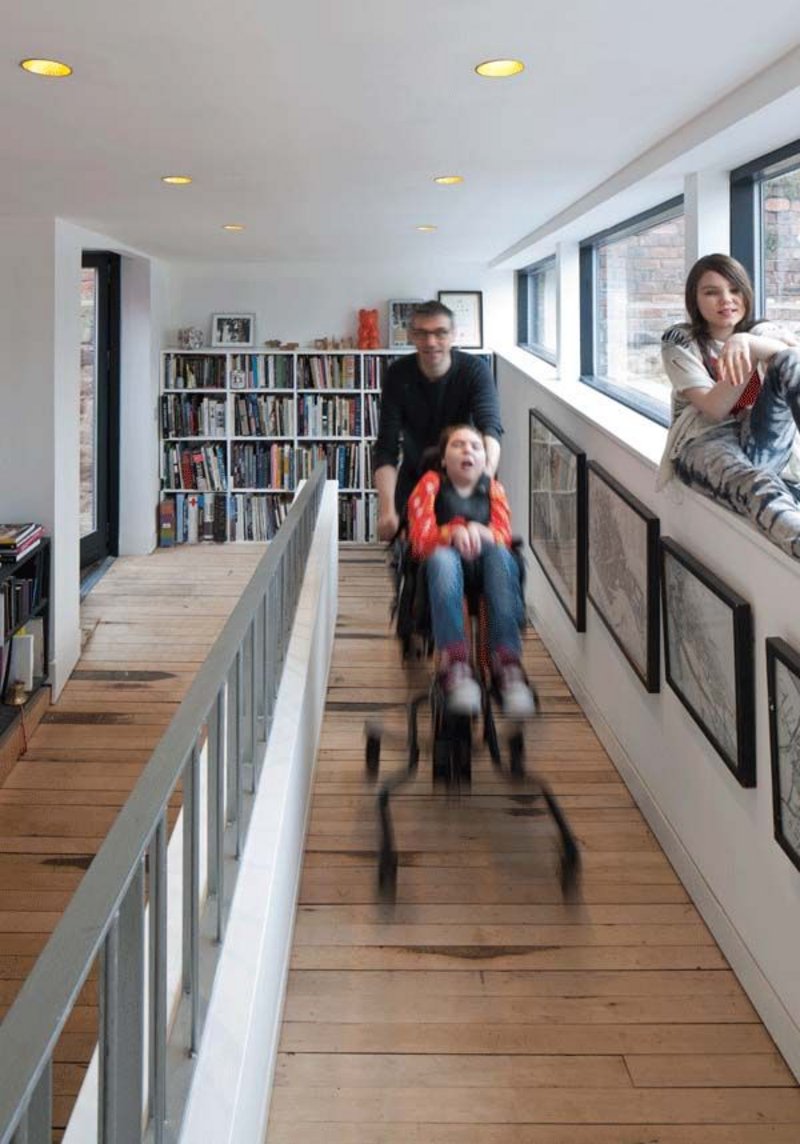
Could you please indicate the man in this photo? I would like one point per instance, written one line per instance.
(422, 394)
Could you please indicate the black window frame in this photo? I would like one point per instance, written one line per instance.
(746, 214)
(588, 248)
(525, 278)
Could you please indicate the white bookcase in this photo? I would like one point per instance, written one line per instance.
(240, 428)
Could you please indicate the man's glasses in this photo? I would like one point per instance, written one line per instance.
(440, 333)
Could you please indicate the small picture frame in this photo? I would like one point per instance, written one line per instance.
(623, 571)
(401, 311)
(467, 307)
(783, 686)
(708, 655)
(557, 513)
(231, 330)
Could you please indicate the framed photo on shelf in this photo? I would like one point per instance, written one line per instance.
(783, 684)
(557, 513)
(623, 571)
(400, 314)
(467, 307)
(230, 330)
(708, 653)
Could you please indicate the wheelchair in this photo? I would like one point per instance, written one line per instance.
(452, 741)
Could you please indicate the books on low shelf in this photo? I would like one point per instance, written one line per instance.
(18, 540)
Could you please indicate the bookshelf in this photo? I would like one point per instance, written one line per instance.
(25, 603)
(240, 429)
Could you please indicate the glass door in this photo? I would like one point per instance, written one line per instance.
(99, 406)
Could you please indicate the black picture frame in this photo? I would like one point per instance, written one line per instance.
(622, 571)
(557, 513)
(783, 688)
(467, 307)
(708, 656)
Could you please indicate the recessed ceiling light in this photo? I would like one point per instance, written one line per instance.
(500, 69)
(448, 180)
(53, 68)
(176, 180)
(233, 226)
(426, 228)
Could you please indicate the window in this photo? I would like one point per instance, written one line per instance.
(536, 301)
(765, 231)
(631, 290)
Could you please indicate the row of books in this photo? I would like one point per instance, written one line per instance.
(257, 416)
(194, 371)
(315, 372)
(18, 541)
(262, 466)
(372, 409)
(257, 516)
(188, 518)
(192, 416)
(260, 371)
(329, 416)
(19, 596)
(199, 467)
(342, 462)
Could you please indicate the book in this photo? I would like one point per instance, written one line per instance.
(12, 535)
(14, 555)
(166, 522)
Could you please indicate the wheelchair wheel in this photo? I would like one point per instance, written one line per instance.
(516, 747)
(373, 756)
(387, 876)
(490, 731)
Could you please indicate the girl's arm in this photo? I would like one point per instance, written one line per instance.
(743, 352)
(424, 533)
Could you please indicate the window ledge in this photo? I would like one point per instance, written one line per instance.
(630, 430)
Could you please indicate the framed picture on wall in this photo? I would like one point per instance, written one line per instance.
(783, 685)
(557, 513)
(708, 653)
(228, 330)
(623, 571)
(400, 314)
(467, 307)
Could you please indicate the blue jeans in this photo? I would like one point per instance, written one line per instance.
(501, 589)
(739, 465)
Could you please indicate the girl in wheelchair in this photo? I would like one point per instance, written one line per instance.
(459, 525)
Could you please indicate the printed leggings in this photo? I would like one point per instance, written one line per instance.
(739, 464)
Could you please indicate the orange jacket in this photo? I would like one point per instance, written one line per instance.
(424, 532)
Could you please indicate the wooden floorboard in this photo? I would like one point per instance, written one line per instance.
(147, 625)
(481, 1009)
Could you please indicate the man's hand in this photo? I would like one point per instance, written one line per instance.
(388, 524)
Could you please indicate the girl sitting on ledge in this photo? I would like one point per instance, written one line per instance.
(735, 403)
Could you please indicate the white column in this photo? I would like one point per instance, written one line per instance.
(707, 206)
(568, 310)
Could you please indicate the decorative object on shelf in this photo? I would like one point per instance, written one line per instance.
(783, 684)
(369, 337)
(708, 653)
(191, 338)
(467, 307)
(230, 330)
(400, 314)
(238, 379)
(557, 514)
(623, 571)
(273, 343)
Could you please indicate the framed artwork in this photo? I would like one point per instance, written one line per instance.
(783, 683)
(233, 330)
(623, 571)
(708, 652)
(401, 311)
(557, 513)
(467, 307)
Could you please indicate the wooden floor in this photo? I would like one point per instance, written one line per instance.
(480, 1009)
(148, 625)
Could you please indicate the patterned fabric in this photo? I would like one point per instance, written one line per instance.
(426, 534)
(739, 463)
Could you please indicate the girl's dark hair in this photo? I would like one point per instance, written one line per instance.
(736, 274)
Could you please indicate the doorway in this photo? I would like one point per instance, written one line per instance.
(99, 408)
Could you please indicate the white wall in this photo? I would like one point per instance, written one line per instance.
(717, 834)
(301, 301)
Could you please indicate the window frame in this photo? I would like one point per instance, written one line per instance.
(524, 277)
(588, 248)
(746, 216)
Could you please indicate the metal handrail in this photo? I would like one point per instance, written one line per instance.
(106, 913)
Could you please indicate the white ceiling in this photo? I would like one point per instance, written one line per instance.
(321, 126)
